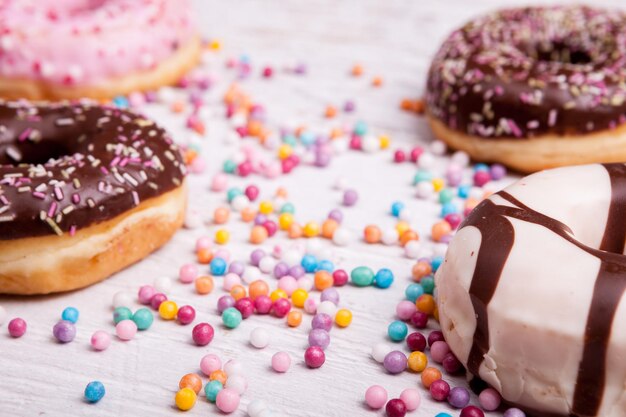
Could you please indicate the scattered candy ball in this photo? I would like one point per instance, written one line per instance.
(395, 362)
(411, 399)
(259, 338)
(168, 310)
(186, 314)
(281, 361)
(231, 317)
(192, 381)
(379, 351)
(343, 317)
(185, 399)
(143, 318)
(126, 330)
(17, 327)
(94, 391)
(211, 389)
(489, 399)
(210, 363)
(395, 408)
(397, 331)
(376, 397)
(70, 314)
(314, 357)
(473, 411)
(227, 400)
(100, 340)
(64, 331)
(202, 334)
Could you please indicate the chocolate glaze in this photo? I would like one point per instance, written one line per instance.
(610, 284)
(64, 167)
(521, 73)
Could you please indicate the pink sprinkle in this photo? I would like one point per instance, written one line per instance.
(514, 128)
(75, 198)
(52, 209)
(104, 170)
(552, 117)
(4, 200)
(58, 193)
(136, 198)
(39, 195)
(115, 161)
(72, 230)
(25, 134)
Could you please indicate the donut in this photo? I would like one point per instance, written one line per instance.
(53, 50)
(530, 294)
(533, 88)
(85, 191)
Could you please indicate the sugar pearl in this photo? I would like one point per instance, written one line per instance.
(489, 399)
(411, 398)
(327, 307)
(259, 338)
(379, 351)
(210, 363)
(233, 367)
(145, 294)
(412, 249)
(122, 299)
(163, 284)
(126, 329)
(281, 361)
(389, 236)
(227, 400)
(425, 189)
(267, 264)
(376, 397)
(426, 161)
(237, 383)
(256, 407)
(342, 236)
(100, 340)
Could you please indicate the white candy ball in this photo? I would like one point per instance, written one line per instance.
(292, 257)
(460, 158)
(238, 157)
(163, 284)
(256, 407)
(123, 299)
(437, 147)
(240, 202)
(327, 307)
(267, 264)
(405, 214)
(412, 249)
(425, 189)
(305, 282)
(3, 315)
(426, 161)
(342, 236)
(389, 236)
(379, 351)
(259, 338)
(193, 220)
(370, 144)
(233, 367)
(250, 274)
(238, 383)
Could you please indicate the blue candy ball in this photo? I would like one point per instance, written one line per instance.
(218, 267)
(309, 263)
(397, 331)
(396, 208)
(70, 314)
(436, 262)
(463, 191)
(325, 265)
(383, 278)
(448, 208)
(211, 389)
(94, 391)
(413, 292)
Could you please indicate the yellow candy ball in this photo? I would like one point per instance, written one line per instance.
(402, 227)
(266, 207)
(385, 141)
(438, 184)
(311, 229)
(298, 297)
(168, 310)
(417, 361)
(285, 220)
(222, 236)
(185, 399)
(278, 293)
(343, 318)
(285, 151)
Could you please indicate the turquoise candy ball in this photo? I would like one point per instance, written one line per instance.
(94, 391)
(211, 389)
(231, 317)
(288, 208)
(232, 193)
(70, 314)
(413, 292)
(362, 276)
(229, 166)
(446, 195)
(397, 331)
(143, 318)
(428, 284)
(122, 313)
(384, 278)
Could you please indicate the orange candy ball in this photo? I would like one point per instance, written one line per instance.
(323, 280)
(295, 231)
(294, 318)
(430, 375)
(372, 234)
(247, 214)
(420, 270)
(439, 230)
(220, 215)
(204, 255)
(407, 236)
(238, 292)
(220, 375)
(426, 304)
(204, 284)
(258, 288)
(192, 381)
(258, 234)
(328, 228)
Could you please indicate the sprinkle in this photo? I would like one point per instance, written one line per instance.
(54, 226)
(52, 209)
(39, 195)
(65, 121)
(135, 198)
(58, 192)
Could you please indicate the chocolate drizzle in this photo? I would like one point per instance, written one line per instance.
(64, 167)
(610, 284)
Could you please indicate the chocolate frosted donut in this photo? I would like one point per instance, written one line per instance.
(533, 87)
(76, 184)
(531, 294)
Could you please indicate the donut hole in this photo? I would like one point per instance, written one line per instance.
(15, 154)
(561, 52)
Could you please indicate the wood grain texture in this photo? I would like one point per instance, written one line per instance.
(393, 39)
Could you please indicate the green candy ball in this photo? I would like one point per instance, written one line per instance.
(122, 313)
(362, 276)
(143, 318)
(231, 317)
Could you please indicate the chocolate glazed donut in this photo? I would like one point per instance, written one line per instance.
(499, 220)
(534, 87)
(85, 190)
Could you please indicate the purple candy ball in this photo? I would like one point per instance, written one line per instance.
(64, 331)
(280, 270)
(322, 321)
(319, 337)
(297, 271)
(330, 294)
(459, 397)
(322, 159)
(350, 198)
(256, 256)
(259, 219)
(395, 362)
(224, 302)
(236, 268)
(497, 171)
(336, 215)
(514, 412)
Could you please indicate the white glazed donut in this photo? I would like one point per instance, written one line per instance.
(531, 292)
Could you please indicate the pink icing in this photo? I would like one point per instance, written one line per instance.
(82, 42)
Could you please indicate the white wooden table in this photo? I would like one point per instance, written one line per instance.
(393, 39)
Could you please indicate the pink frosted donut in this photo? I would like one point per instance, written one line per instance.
(53, 49)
